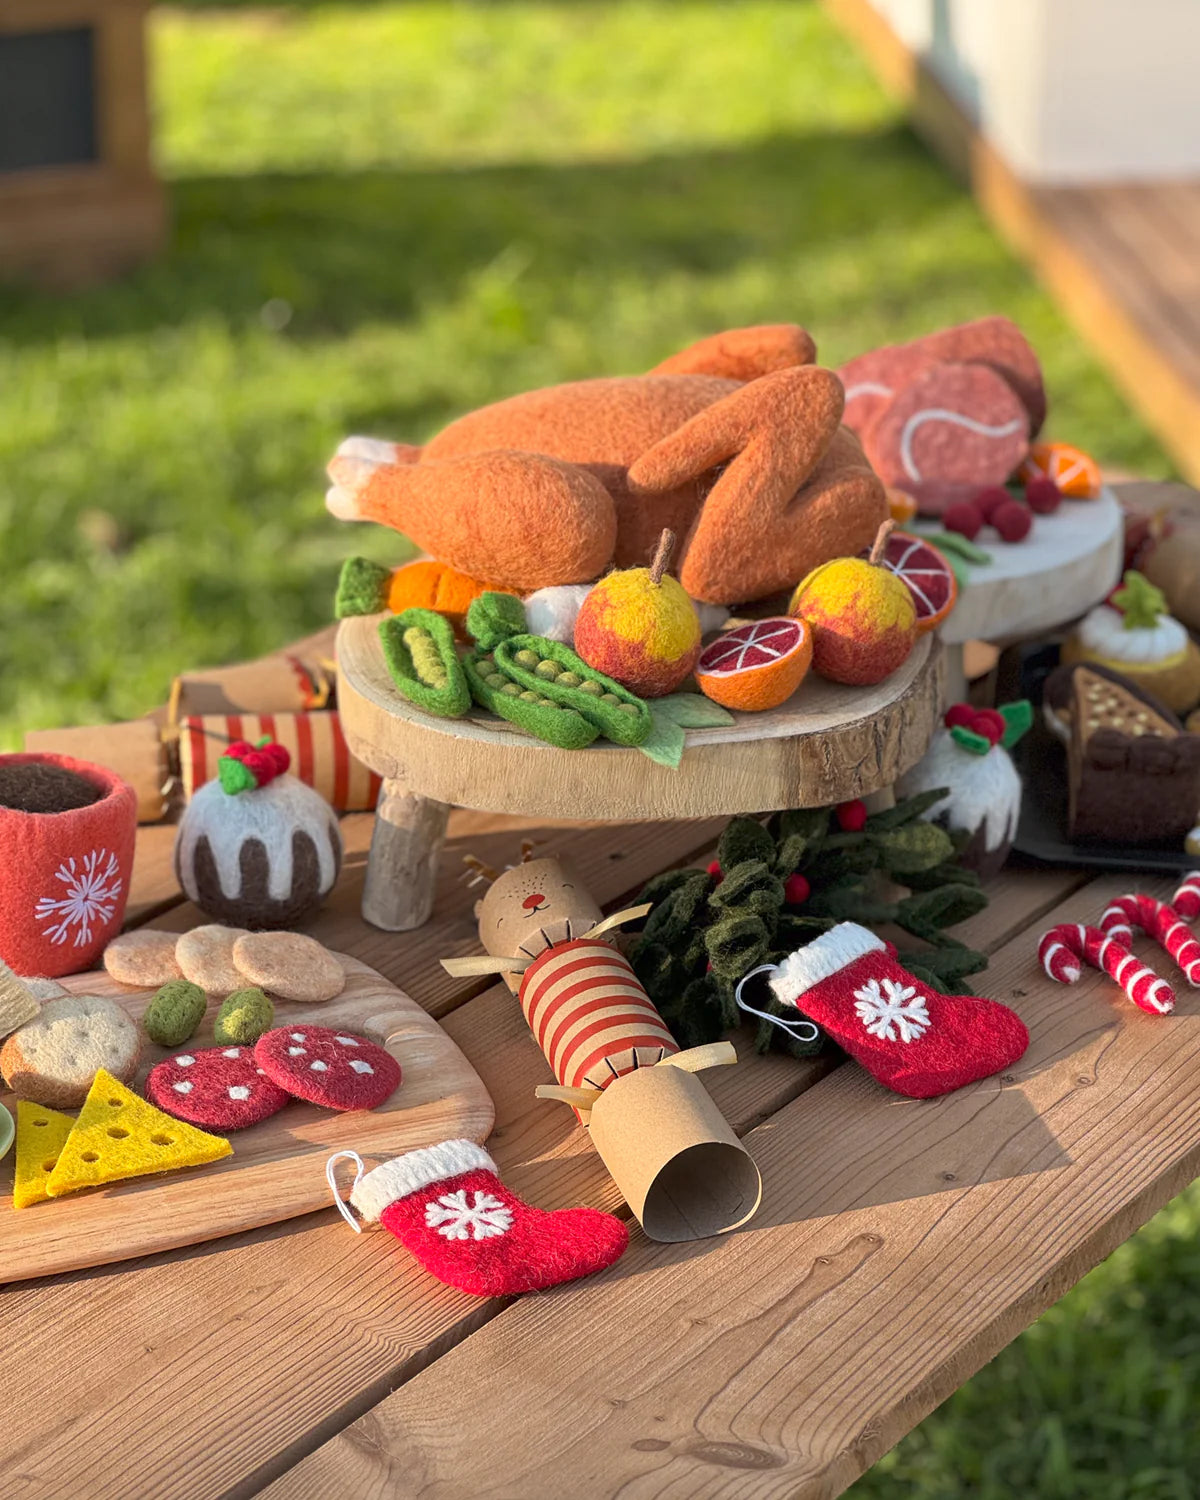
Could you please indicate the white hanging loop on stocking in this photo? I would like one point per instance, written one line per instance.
(794, 1029)
(331, 1179)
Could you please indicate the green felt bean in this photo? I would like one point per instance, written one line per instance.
(598, 699)
(419, 649)
(542, 718)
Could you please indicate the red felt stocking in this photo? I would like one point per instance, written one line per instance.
(914, 1040)
(447, 1206)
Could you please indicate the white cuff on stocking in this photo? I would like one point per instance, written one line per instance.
(414, 1171)
(821, 959)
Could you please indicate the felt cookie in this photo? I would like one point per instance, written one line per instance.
(118, 1135)
(145, 958)
(40, 1136)
(219, 1088)
(334, 1069)
(290, 965)
(954, 424)
(54, 1058)
(206, 957)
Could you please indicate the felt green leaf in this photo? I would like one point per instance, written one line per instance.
(908, 810)
(660, 886)
(977, 744)
(1140, 602)
(957, 545)
(952, 961)
(493, 617)
(671, 919)
(944, 907)
(950, 873)
(736, 944)
(851, 903)
(362, 588)
(794, 932)
(664, 744)
(742, 839)
(234, 775)
(692, 711)
(914, 847)
(934, 981)
(750, 887)
(1018, 719)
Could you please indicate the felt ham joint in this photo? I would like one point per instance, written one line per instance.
(678, 1164)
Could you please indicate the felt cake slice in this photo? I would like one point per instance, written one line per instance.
(118, 1135)
(1133, 774)
(41, 1132)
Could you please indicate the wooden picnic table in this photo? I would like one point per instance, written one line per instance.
(900, 1245)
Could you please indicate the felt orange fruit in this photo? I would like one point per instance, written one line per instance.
(929, 577)
(756, 666)
(1076, 474)
(639, 626)
(862, 617)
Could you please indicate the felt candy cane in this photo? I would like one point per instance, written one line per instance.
(1186, 899)
(1159, 921)
(1064, 949)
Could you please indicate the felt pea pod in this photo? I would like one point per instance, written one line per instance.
(418, 647)
(555, 670)
(528, 709)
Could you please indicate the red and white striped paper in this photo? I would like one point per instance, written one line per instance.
(320, 756)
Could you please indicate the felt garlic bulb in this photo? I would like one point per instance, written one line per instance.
(1133, 634)
(969, 756)
(256, 847)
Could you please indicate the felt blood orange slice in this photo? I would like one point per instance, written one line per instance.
(756, 666)
(1072, 470)
(929, 577)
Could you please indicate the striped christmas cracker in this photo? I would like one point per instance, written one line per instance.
(590, 1016)
(320, 756)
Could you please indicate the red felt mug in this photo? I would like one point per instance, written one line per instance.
(64, 876)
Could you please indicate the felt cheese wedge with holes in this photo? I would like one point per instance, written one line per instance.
(118, 1135)
(40, 1135)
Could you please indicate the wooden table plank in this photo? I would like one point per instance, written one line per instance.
(782, 1361)
(303, 1328)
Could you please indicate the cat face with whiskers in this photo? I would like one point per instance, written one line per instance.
(533, 906)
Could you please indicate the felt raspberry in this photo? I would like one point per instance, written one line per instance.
(1013, 521)
(965, 517)
(448, 1207)
(851, 816)
(244, 767)
(1043, 496)
(990, 499)
(909, 1037)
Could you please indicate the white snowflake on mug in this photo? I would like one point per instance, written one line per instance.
(92, 889)
(457, 1219)
(891, 1011)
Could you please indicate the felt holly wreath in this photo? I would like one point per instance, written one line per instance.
(776, 887)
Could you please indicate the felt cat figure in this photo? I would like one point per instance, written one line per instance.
(735, 444)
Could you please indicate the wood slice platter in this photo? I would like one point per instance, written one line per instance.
(277, 1169)
(1065, 566)
(827, 744)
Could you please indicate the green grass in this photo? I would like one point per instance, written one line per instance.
(387, 213)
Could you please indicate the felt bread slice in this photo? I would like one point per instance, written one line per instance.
(118, 1135)
(17, 1002)
(53, 1058)
(40, 1136)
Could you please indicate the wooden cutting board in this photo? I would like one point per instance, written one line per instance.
(277, 1169)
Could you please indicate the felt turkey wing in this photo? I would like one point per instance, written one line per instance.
(743, 353)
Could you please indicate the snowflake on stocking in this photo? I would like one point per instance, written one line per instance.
(454, 1217)
(93, 887)
(892, 1011)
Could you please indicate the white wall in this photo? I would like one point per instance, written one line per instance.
(1069, 90)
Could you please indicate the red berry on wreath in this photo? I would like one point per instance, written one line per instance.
(989, 500)
(965, 517)
(852, 816)
(1043, 496)
(796, 890)
(716, 871)
(1013, 521)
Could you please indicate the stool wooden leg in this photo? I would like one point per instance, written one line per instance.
(402, 865)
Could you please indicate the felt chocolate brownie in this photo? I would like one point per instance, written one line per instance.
(1058, 696)
(335, 1069)
(218, 1088)
(1133, 774)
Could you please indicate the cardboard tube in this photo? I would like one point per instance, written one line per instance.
(679, 1166)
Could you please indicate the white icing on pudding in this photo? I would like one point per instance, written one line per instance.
(272, 814)
(985, 790)
(1103, 632)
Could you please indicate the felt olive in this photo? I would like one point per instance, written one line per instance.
(243, 1018)
(176, 1011)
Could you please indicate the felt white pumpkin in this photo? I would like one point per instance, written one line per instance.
(1134, 635)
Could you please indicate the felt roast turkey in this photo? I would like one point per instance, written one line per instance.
(969, 757)
(256, 847)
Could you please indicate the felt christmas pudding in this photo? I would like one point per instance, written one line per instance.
(1133, 634)
(67, 830)
(256, 847)
(969, 757)
(735, 444)
(638, 626)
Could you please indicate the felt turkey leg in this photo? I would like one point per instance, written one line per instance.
(1064, 949)
(912, 1039)
(1159, 921)
(520, 520)
(448, 1207)
(743, 353)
